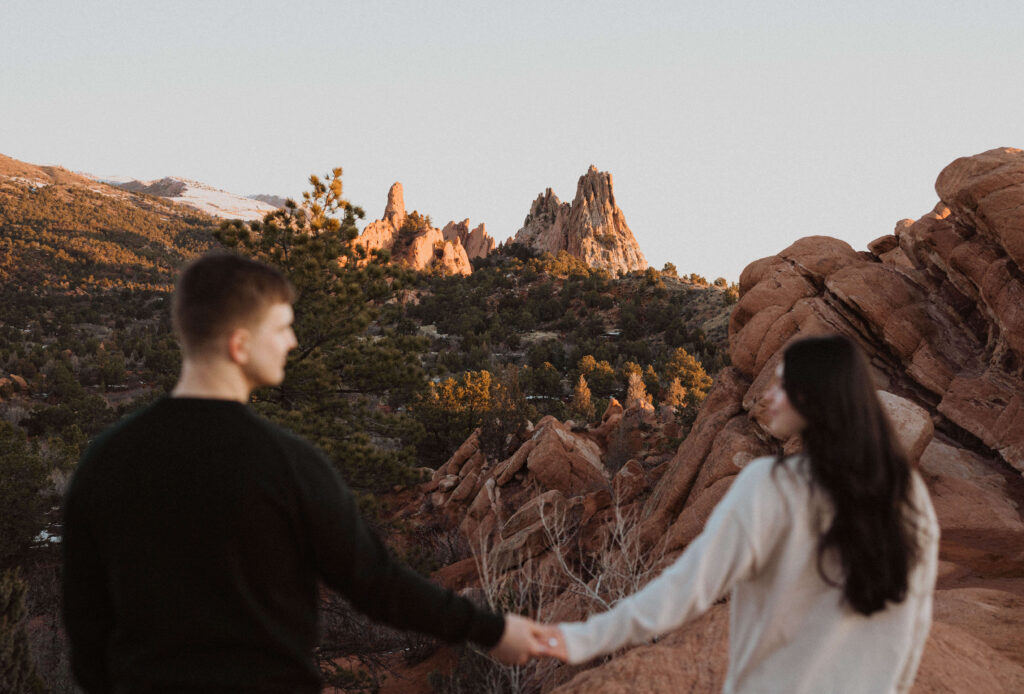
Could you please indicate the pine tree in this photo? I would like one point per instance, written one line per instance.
(675, 394)
(509, 411)
(599, 374)
(636, 392)
(582, 403)
(22, 476)
(337, 380)
(652, 381)
(449, 412)
(17, 670)
(694, 382)
(690, 372)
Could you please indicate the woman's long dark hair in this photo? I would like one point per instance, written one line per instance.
(853, 457)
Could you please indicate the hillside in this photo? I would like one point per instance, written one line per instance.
(65, 233)
(85, 337)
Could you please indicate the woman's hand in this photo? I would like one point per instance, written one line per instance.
(552, 641)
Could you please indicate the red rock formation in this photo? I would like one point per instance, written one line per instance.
(937, 307)
(426, 250)
(592, 228)
(476, 242)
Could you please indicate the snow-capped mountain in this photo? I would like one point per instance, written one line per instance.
(205, 198)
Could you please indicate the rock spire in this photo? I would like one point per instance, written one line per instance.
(424, 249)
(591, 228)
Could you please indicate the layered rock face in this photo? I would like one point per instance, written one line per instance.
(937, 308)
(428, 249)
(591, 228)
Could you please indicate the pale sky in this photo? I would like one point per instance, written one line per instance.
(730, 128)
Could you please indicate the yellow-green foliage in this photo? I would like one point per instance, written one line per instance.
(70, 237)
(582, 403)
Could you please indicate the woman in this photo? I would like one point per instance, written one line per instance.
(830, 555)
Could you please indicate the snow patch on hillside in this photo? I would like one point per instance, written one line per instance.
(203, 197)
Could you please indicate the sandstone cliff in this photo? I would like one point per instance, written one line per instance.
(937, 306)
(591, 228)
(422, 249)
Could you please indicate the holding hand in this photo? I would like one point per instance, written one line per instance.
(519, 642)
(552, 641)
(524, 639)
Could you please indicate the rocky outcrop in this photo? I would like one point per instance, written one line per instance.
(394, 211)
(273, 200)
(560, 475)
(591, 228)
(939, 304)
(476, 242)
(165, 187)
(936, 306)
(424, 249)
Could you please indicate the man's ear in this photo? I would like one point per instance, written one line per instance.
(238, 346)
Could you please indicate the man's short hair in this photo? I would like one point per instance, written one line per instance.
(220, 292)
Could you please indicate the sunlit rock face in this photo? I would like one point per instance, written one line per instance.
(476, 242)
(591, 228)
(426, 250)
(939, 304)
(936, 306)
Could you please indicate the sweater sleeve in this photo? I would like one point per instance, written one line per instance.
(722, 554)
(922, 581)
(352, 560)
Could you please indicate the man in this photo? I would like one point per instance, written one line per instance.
(196, 532)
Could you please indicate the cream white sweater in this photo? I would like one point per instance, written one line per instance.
(789, 631)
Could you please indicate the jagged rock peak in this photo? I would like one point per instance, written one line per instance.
(477, 242)
(395, 210)
(543, 211)
(595, 185)
(591, 228)
(425, 250)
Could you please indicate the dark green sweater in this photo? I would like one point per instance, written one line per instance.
(195, 533)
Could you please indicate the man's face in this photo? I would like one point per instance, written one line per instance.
(267, 347)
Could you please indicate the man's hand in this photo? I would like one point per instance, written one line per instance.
(521, 641)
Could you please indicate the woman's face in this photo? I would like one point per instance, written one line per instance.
(782, 418)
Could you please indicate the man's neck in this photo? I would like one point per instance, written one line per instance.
(211, 380)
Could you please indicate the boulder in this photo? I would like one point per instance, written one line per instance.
(629, 482)
(910, 423)
(549, 507)
(469, 448)
(565, 461)
(691, 659)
